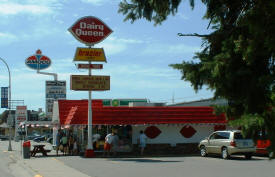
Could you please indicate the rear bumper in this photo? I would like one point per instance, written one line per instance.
(235, 150)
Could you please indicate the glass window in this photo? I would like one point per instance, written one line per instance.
(238, 136)
(223, 135)
(213, 136)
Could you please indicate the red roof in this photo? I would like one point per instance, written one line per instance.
(73, 112)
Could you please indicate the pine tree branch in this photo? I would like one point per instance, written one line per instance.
(194, 34)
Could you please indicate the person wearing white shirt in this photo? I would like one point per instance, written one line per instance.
(108, 143)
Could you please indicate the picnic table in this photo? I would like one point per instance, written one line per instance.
(39, 148)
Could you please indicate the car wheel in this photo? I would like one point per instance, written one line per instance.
(203, 151)
(225, 154)
(248, 156)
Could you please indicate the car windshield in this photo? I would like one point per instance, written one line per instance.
(238, 136)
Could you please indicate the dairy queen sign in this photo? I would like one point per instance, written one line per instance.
(90, 30)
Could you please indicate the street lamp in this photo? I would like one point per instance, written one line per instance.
(9, 102)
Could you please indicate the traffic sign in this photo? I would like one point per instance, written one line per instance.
(4, 97)
(85, 83)
(89, 66)
(90, 54)
(90, 30)
(4, 103)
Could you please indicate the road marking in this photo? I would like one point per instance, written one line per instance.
(58, 160)
(114, 162)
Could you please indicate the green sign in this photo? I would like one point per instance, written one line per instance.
(126, 102)
(106, 102)
(121, 102)
(115, 103)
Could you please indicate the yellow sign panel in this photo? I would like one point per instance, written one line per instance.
(90, 54)
(83, 82)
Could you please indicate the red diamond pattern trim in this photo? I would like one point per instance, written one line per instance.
(152, 132)
(187, 131)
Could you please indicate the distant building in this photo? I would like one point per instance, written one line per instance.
(202, 102)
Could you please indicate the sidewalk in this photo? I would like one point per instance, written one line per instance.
(38, 166)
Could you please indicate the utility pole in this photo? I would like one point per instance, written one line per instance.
(9, 102)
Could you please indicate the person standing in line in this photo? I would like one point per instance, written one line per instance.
(142, 141)
(71, 144)
(58, 138)
(75, 148)
(114, 146)
(108, 143)
(64, 141)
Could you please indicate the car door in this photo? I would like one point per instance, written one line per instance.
(211, 143)
(221, 140)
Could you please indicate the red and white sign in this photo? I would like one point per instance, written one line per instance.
(90, 66)
(21, 113)
(90, 30)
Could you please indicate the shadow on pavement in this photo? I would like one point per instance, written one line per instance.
(240, 158)
(144, 160)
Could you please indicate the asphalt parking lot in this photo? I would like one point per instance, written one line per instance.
(172, 166)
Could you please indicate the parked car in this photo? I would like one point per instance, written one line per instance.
(262, 143)
(33, 136)
(227, 143)
(50, 140)
(39, 139)
(3, 137)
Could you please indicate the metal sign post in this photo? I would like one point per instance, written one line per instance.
(90, 117)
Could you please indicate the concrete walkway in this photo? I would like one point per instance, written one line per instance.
(37, 166)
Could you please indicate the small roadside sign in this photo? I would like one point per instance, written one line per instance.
(90, 66)
(4, 97)
(85, 83)
(90, 54)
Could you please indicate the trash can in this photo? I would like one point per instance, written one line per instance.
(26, 149)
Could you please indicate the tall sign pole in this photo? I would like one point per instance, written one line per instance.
(55, 89)
(90, 116)
(90, 30)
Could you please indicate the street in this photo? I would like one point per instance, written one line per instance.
(12, 164)
(172, 166)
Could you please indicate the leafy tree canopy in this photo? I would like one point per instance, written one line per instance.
(237, 59)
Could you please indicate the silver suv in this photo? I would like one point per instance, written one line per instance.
(227, 143)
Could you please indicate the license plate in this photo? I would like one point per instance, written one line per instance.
(245, 144)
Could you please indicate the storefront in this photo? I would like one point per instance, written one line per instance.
(163, 125)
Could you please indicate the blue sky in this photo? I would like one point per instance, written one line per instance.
(137, 54)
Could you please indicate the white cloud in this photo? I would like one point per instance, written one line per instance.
(15, 8)
(126, 41)
(182, 48)
(99, 2)
(170, 49)
(112, 45)
(7, 38)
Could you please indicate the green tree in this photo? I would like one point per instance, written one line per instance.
(236, 61)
